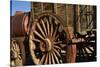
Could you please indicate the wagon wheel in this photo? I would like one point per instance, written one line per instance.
(87, 52)
(16, 54)
(87, 49)
(44, 39)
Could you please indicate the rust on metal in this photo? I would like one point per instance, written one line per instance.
(19, 24)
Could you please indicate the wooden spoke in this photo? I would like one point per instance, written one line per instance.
(44, 26)
(50, 19)
(57, 47)
(83, 51)
(46, 60)
(89, 48)
(55, 56)
(51, 30)
(56, 52)
(86, 52)
(37, 40)
(59, 42)
(42, 60)
(41, 30)
(49, 57)
(13, 45)
(82, 54)
(47, 22)
(52, 58)
(56, 22)
(38, 35)
(54, 35)
(17, 48)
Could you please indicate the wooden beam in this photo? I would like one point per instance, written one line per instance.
(71, 49)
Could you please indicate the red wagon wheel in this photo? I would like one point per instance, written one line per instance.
(44, 39)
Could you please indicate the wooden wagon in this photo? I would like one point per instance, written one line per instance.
(45, 40)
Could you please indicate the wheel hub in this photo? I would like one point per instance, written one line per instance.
(46, 46)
